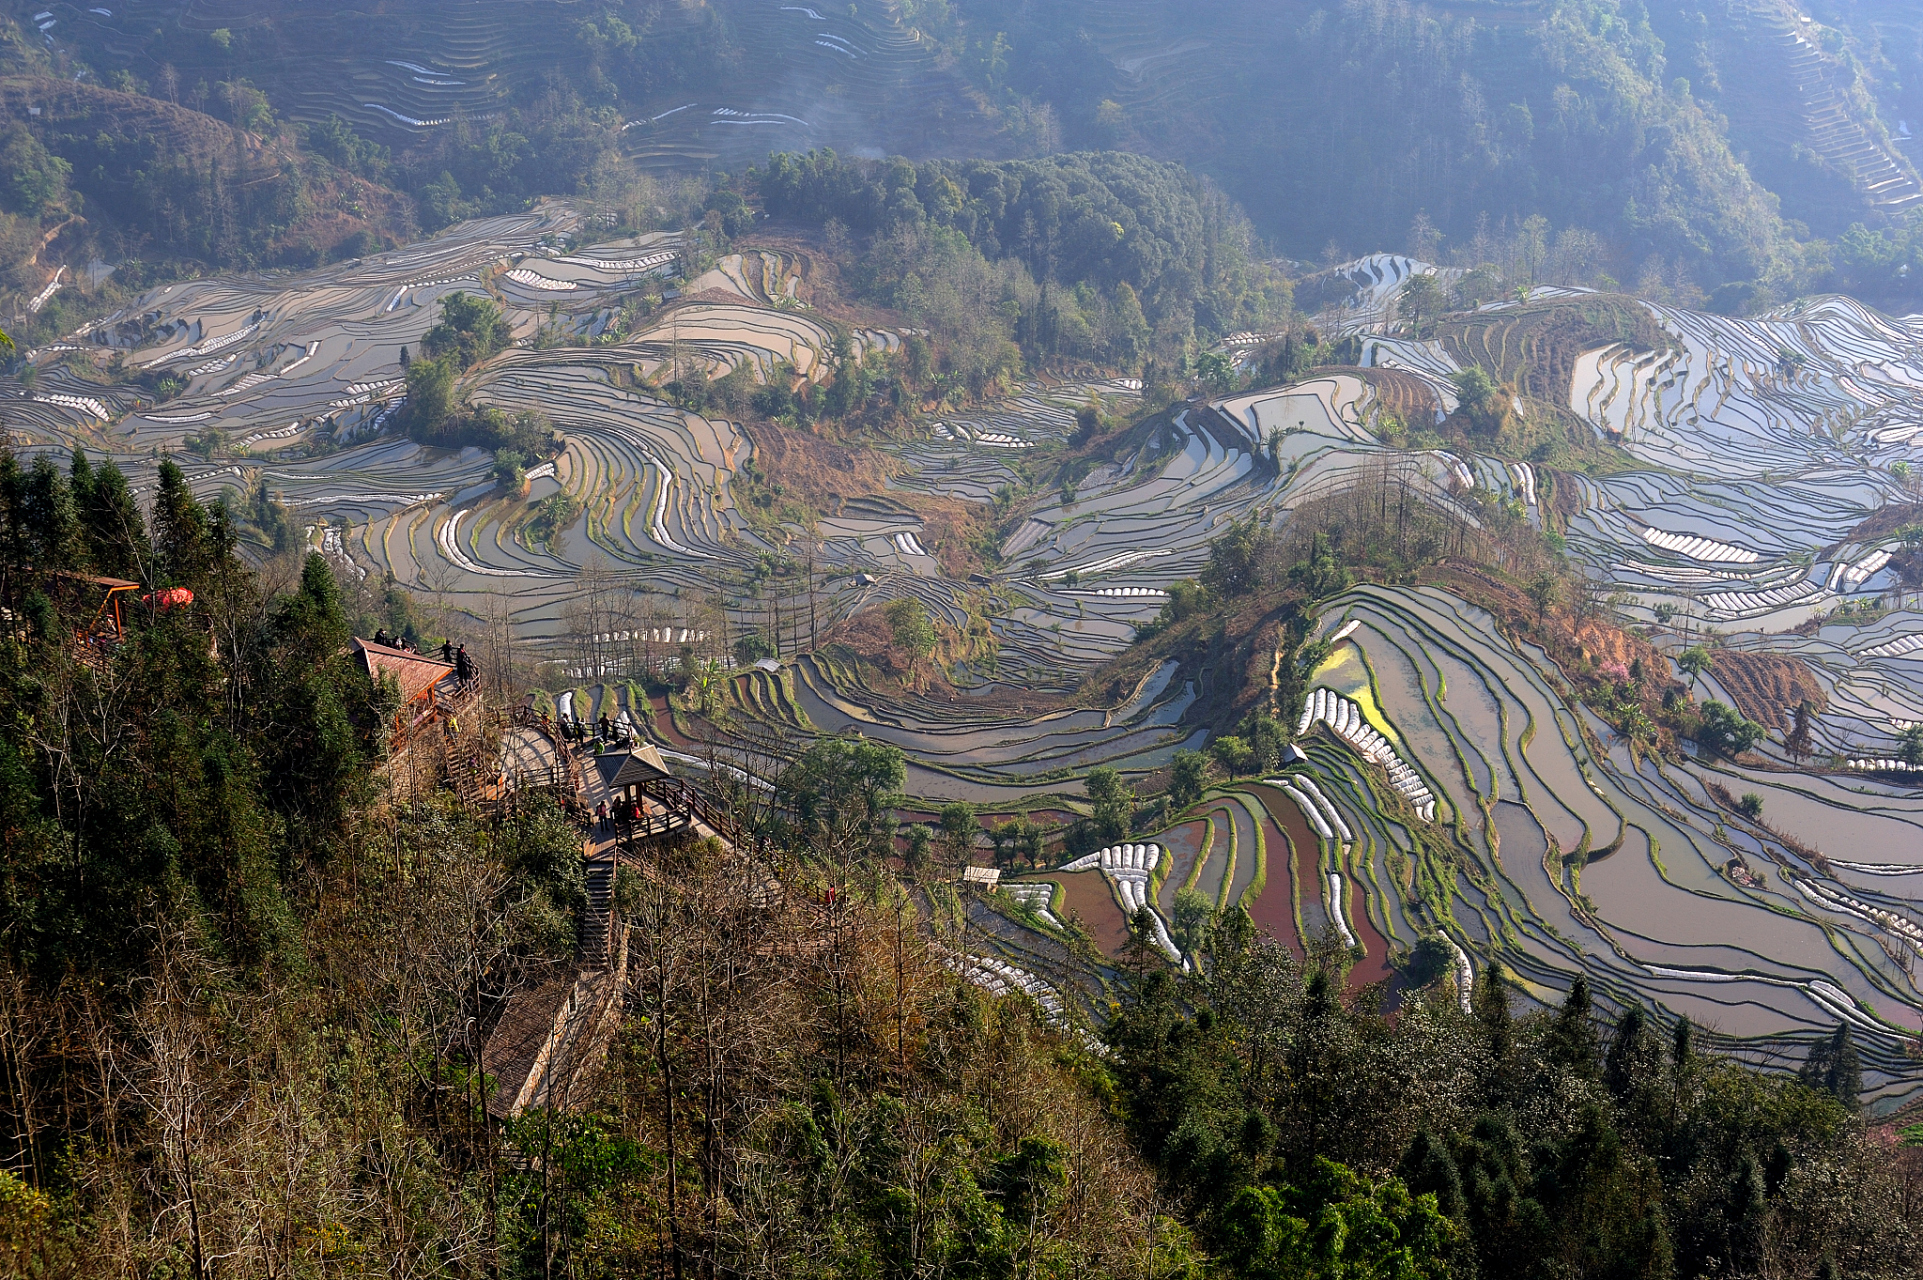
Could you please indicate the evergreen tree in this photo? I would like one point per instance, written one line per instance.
(1187, 776)
(52, 528)
(184, 539)
(111, 524)
(80, 477)
(959, 827)
(838, 795)
(1747, 1217)
(1428, 1168)
(1489, 1004)
(1632, 1054)
(1834, 1068)
(13, 529)
(1112, 801)
(1506, 1223)
(1571, 1042)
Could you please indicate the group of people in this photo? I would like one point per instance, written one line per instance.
(453, 654)
(400, 644)
(625, 815)
(573, 729)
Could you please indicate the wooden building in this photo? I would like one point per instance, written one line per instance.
(429, 689)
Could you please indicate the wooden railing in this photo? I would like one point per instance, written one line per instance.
(672, 804)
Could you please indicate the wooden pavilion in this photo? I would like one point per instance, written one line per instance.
(429, 689)
(624, 774)
(108, 623)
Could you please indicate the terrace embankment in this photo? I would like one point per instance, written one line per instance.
(1087, 898)
(1884, 521)
(869, 639)
(1767, 687)
(1229, 655)
(1534, 347)
(1292, 872)
(818, 276)
(1582, 647)
(1403, 394)
(823, 475)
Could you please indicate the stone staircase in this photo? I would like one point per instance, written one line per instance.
(1832, 124)
(592, 931)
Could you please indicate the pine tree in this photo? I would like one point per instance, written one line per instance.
(183, 541)
(1628, 1062)
(1571, 1043)
(47, 511)
(1427, 1166)
(1834, 1068)
(1747, 1217)
(110, 523)
(1489, 1001)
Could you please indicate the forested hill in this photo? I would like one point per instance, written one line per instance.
(1754, 147)
(1733, 145)
(1145, 254)
(1342, 122)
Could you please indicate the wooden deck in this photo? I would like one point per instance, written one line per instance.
(550, 1043)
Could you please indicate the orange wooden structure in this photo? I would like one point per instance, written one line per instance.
(428, 686)
(107, 623)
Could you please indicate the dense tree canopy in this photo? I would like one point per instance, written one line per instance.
(1119, 255)
(1515, 1147)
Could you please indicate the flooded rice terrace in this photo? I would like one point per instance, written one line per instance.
(1543, 843)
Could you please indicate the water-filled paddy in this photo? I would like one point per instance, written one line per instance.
(1725, 476)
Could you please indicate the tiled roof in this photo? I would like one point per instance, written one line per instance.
(414, 674)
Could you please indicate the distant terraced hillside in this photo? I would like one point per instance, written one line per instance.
(688, 84)
(1800, 112)
(1342, 124)
(157, 183)
(1687, 136)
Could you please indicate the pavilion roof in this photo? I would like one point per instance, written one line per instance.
(625, 768)
(415, 675)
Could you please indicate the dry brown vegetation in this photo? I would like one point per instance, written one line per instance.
(1886, 520)
(820, 276)
(776, 1060)
(868, 637)
(819, 471)
(824, 474)
(1383, 531)
(1534, 347)
(1767, 687)
(1403, 394)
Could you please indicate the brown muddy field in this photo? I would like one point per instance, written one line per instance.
(1086, 894)
(1291, 850)
(1184, 844)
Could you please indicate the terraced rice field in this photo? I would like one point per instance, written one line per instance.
(823, 76)
(1448, 790)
